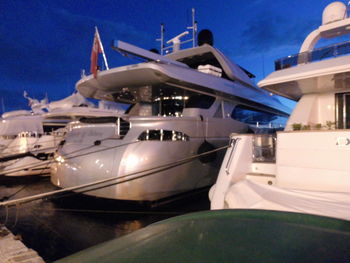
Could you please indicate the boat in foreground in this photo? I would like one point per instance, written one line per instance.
(229, 236)
(304, 169)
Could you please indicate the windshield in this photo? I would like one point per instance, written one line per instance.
(163, 100)
(160, 107)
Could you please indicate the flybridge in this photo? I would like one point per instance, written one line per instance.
(148, 55)
(174, 45)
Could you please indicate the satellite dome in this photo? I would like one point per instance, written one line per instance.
(334, 12)
(205, 37)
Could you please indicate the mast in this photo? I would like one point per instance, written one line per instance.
(176, 40)
(193, 27)
(161, 39)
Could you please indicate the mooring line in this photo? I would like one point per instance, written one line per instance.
(6, 215)
(17, 215)
(143, 173)
(107, 211)
(68, 157)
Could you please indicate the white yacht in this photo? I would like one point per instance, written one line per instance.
(304, 169)
(182, 105)
(30, 138)
(17, 121)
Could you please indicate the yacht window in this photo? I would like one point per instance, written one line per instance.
(129, 108)
(107, 119)
(252, 116)
(59, 117)
(200, 101)
(168, 107)
(6, 137)
(342, 101)
(29, 134)
(51, 128)
(163, 135)
(218, 113)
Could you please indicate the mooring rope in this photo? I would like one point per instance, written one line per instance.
(17, 215)
(144, 173)
(95, 211)
(68, 156)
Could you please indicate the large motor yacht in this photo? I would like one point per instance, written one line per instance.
(182, 105)
(305, 168)
(29, 138)
(17, 121)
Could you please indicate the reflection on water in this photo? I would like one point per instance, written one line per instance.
(60, 227)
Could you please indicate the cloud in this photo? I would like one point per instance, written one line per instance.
(267, 31)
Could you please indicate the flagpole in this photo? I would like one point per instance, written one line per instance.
(103, 52)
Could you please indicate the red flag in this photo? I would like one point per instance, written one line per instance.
(96, 49)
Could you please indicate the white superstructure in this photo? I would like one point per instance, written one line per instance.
(305, 168)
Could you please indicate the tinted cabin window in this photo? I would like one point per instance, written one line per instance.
(163, 135)
(168, 107)
(200, 101)
(127, 111)
(218, 113)
(252, 116)
(342, 101)
(160, 107)
(107, 119)
(50, 128)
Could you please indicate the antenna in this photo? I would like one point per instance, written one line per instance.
(176, 40)
(193, 27)
(82, 73)
(161, 39)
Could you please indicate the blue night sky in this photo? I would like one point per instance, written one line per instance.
(44, 44)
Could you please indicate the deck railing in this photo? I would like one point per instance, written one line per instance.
(315, 55)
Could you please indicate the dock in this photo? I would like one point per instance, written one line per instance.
(12, 250)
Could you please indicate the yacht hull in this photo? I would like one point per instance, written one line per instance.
(26, 156)
(143, 170)
(26, 166)
(152, 175)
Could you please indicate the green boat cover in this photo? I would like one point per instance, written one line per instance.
(229, 236)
